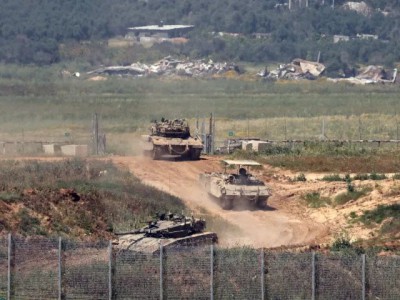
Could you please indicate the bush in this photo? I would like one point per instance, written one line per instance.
(377, 176)
(332, 177)
(361, 177)
(353, 215)
(28, 224)
(372, 176)
(9, 197)
(300, 177)
(343, 244)
(351, 194)
(315, 200)
(380, 213)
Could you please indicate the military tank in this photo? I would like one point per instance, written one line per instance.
(172, 139)
(240, 186)
(167, 230)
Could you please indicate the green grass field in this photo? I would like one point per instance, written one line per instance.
(36, 103)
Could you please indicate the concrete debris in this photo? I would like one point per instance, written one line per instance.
(68, 74)
(230, 145)
(169, 67)
(359, 7)
(369, 75)
(297, 69)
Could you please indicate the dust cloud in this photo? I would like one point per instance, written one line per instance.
(271, 227)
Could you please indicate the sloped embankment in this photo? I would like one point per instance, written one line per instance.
(75, 198)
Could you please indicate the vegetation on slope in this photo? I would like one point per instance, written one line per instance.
(70, 198)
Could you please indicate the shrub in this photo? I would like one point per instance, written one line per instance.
(333, 177)
(300, 177)
(29, 224)
(353, 215)
(9, 197)
(351, 194)
(361, 177)
(380, 213)
(377, 176)
(372, 176)
(315, 200)
(341, 243)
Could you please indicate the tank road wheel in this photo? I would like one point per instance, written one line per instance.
(195, 154)
(226, 203)
(261, 202)
(156, 153)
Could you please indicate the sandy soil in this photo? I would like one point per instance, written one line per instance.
(287, 221)
(272, 227)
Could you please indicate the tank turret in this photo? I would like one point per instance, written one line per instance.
(177, 128)
(171, 139)
(167, 230)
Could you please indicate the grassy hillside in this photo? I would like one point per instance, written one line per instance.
(69, 198)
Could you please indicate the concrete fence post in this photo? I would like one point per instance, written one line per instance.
(161, 273)
(60, 269)
(10, 267)
(262, 265)
(313, 275)
(363, 276)
(110, 271)
(212, 272)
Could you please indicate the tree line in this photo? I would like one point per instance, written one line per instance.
(31, 31)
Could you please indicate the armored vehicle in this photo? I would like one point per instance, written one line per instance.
(237, 186)
(172, 139)
(167, 230)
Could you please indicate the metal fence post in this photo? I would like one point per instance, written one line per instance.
(60, 269)
(9, 267)
(262, 275)
(110, 271)
(212, 272)
(363, 276)
(313, 275)
(161, 273)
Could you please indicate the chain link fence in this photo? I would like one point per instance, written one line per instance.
(41, 268)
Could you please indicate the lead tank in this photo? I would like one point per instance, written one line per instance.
(172, 139)
(167, 230)
(230, 188)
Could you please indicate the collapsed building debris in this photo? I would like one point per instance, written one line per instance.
(168, 67)
(369, 75)
(297, 69)
(359, 7)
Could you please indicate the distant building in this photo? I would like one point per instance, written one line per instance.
(158, 31)
(340, 38)
(367, 36)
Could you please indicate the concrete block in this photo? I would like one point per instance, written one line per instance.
(52, 149)
(257, 146)
(74, 150)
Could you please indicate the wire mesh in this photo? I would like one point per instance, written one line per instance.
(137, 275)
(383, 277)
(288, 275)
(187, 272)
(338, 276)
(237, 273)
(3, 267)
(86, 270)
(35, 268)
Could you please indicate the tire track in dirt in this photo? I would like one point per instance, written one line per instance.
(259, 228)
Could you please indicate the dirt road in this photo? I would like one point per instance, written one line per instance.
(260, 228)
